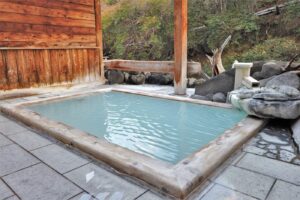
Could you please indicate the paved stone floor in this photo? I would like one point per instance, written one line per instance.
(34, 166)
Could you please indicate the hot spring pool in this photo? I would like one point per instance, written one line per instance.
(165, 129)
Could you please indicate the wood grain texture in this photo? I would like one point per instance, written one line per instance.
(44, 23)
(27, 68)
(45, 42)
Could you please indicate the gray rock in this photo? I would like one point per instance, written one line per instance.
(270, 69)
(138, 79)
(115, 77)
(278, 102)
(219, 97)
(289, 79)
(160, 79)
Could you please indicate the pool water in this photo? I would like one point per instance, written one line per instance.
(164, 129)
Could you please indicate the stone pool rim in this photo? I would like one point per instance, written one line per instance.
(178, 180)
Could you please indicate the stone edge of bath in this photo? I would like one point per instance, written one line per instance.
(178, 180)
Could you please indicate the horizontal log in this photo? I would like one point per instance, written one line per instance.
(41, 11)
(32, 19)
(149, 66)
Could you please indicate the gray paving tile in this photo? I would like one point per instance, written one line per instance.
(29, 140)
(13, 198)
(100, 182)
(221, 193)
(4, 191)
(10, 127)
(39, 182)
(283, 190)
(83, 196)
(247, 182)
(59, 158)
(199, 193)
(3, 119)
(4, 141)
(152, 196)
(13, 158)
(270, 167)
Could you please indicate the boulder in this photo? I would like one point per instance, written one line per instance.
(115, 77)
(219, 97)
(288, 79)
(223, 83)
(270, 69)
(137, 79)
(160, 79)
(277, 102)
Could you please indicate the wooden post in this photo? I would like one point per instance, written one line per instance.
(99, 40)
(180, 46)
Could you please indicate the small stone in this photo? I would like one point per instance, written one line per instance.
(219, 97)
(137, 79)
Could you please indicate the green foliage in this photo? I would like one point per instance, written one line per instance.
(111, 2)
(272, 49)
(139, 31)
(143, 30)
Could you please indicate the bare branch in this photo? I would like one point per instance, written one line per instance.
(225, 43)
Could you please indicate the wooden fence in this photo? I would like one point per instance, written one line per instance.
(46, 42)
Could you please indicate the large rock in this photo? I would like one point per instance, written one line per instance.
(289, 79)
(115, 77)
(137, 79)
(277, 102)
(160, 79)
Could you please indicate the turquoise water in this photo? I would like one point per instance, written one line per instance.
(164, 129)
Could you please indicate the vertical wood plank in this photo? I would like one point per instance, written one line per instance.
(99, 37)
(12, 67)
(3, 69)
(180, 46)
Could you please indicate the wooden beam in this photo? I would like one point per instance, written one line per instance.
(149, 66)
(180, 46)
(99, 41)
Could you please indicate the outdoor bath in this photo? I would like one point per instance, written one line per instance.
(174, 150)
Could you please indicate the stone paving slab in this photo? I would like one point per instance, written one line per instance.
(99, 182)
(5, 192)
(3, 119)
(247, 182)
(222, 193)
(271, 167)
(13, 198)
(13, 158)
(10, 127)
(284, 191)
(39, 182)
(29, 140)
(60, 158)
(4, 141)
(152, 196)
(84, 196)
